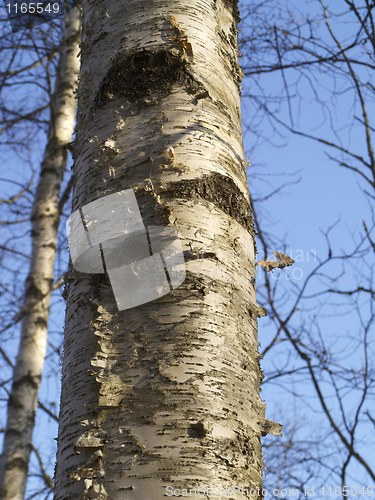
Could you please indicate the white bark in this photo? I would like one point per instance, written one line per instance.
(166, 393)
(45, 220)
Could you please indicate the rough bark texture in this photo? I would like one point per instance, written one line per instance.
(165, 395)
(45, 220)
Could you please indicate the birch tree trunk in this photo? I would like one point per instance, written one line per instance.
(35, 311)
(164, 396)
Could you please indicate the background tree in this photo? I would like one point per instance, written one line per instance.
(34, 312)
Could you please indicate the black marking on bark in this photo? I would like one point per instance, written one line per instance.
(169, 280)
(33, 290)
(215, 188)
(146, 74)
(102, 257)
(190, 255)
(85, 226)
(17, 463)
(197, 430)
(28, 379)
(232, 5)
(149, 243)
(41, 321)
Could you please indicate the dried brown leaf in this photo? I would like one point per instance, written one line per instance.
(282, 261)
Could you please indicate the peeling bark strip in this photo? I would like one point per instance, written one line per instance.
(217, 189)
(45, 220)
(143, 74)
(166, 393)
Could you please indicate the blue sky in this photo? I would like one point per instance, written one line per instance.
(323, 195)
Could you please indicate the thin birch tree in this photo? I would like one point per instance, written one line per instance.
(35, 311)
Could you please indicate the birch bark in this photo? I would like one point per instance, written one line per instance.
(35, 311)
(164, 396)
